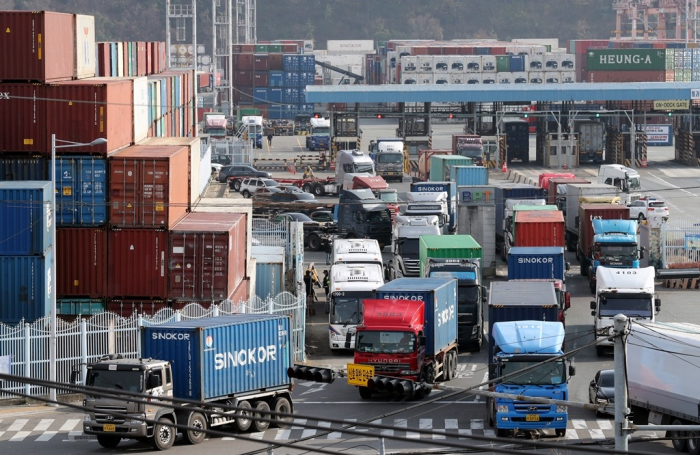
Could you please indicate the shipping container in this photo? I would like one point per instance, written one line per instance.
(23, 118)
(23, 167)
(575, 191)
(625, 76)
(439, 295)
(197, 181)
(469, 175)
(210, 356)
(37, 46)
(81, 190)
(25, 288)
(137, 263)
(25, 217)
(557, 189)
(536, 263)
(447, 247)
(85, 47)
(81, 262)
(128, 307)
(269, 279)
(147, 186)
(626, 60)
(477, 220)
(540, 228)
(508, 190)
(588, 212)
(207, 256)
(439, 162)
(67, 307)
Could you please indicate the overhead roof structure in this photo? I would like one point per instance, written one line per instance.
(463, 93)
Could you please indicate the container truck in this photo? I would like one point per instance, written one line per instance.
(658, 391)
(556, 193)
(574, 193)
(508, 190)
(424, 162)
(405, 260)
(348, 164)
(591, 140)
(470, 146)
(471, 297)
(517, 301)
(215, 124)
(252, 126)
(512, 208)
(447, 247)
(539, 228)
(622, 291)
(587, 213)
(389, 157)
(517, 133)
(440, 166)
(545, 177)
(614, 244)
(408, 336)
(239, 360)
(429, 204)
(626, 179)
(521, 348)
(450, 189)
(361, 215)
(320, 134)
(350, 283)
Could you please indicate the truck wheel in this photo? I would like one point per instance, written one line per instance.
(306, 188)
(108, 442)
(600, 351)
(262, 410)
(560, 432)
(281, 404)
(693, 442)
(163, 434)
(314, 242)
(243, 421)
(198, 423)
(455, 361)
(680, 445)
(236, 185)
(365, 393)
(319, 190)
(447, 367)
(501, 433)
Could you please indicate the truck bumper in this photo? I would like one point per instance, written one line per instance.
(129, 429)
(517, 421)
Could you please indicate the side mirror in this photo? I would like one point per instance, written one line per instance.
(593, 313)
(593, 383)
(421, 341)
(154, 381)
(567, 266)
(75, 374)
(592, 304)
(348, 340)
(572, 370)
(657, 304)
(567, 300)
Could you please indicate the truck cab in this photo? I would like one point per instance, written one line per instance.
(404, 244)
(253, 129)
(215, 124)
(614, 245)
(426, 204)
(625, 178)
(353, 162)
(471, 146)
(388, 156)
(361, 215)
(320, 134)
(356, 251)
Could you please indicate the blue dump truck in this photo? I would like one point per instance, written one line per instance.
(522, 347)
(438, 187)
(614, 245)
(240, 360)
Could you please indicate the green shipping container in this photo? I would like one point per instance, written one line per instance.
(448, 247)
(79, 306)
(261, 48)
(503, 63)
(626, 59)
(274, 48)
(438, 163)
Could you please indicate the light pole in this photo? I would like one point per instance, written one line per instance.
(53, 277)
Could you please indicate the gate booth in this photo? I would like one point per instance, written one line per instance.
(561, 153)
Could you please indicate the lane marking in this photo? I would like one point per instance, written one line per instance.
(18, 424)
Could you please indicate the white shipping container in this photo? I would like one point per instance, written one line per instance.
(538, 50)
(442, 65)
(120, 59)
(410, 78)
(458, 64)
(488, 63)
(551, 62)
(473, 78)
(504, 78)
(426, 63)
(425, 78)
(535, 77)
(441, 79)
(409, 64)
(478, 221)
(552, 77)
(566, 62)
(140, 93)
(350, 46)
(488, 78)
(392, 58)
(85, 48)
(567, 77)
(520, 77)
(473, 63)
(458, 78)
(535, 62)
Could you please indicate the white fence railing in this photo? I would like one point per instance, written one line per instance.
(85, 340)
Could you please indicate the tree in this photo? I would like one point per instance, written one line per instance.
(425, 26)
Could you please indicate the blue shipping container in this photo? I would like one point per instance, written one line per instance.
(440, 298)
(25, 218)
(438, 187)
(81, 191)
(276, 78)
(510, 190)
(517, 63)
(274, 95)
(269, 279)
(260, 94)
(536, 263)
(25, 288)
(223, 356)
(469, 175)
(23, 167)
(290, 63)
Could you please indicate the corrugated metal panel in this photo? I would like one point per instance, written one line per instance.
(81, 190)
(526, 263)
(25, 218)
(211, 356)
(505, 191)
(478, 221)
(447, 247)
(269, 279)
(23, 167)
(438, 163)
(81, 262)
(539, 228)
(469, 175)
(195, 149)
(80, 306)
(85, 47)
(137, 263)
(25, 292)
(23, 118)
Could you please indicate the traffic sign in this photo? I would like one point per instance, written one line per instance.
(672, 105)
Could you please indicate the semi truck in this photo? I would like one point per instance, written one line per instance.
(429, 204)
(517, 133)
(408, 335)
(626, 179)
(350, 283)
(522, 192)
(469, 145)
(509, 222)
(522, 347)
(450, 190)
(622, 291)
(405, 260)
(556, 193)
(252, 126)
(614, 244)
(356, 251)
(215, 124)
(361, 215)
(236, 361)
(574, 193)
(658, 391)
(320, 134)
(587, 213)
(349, 164)
(471, 297)
(389, 157)
(591, 140)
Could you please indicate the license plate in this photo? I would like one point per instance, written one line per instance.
(359, 374)
(109, 427)
(532, 418)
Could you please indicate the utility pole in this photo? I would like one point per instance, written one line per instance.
(622, 429)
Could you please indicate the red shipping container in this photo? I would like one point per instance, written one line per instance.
(81, 262)
(207, 256)
(626, 76)
(37, 46)
(141, 59)
(337, 107)
(588, 212)
(539, 228)
(104, 60)
(435, 50)
(128, 308)
(23, 118)
(290, 49)
(137, 263)
(419, 50)
(148, 186)
(84, 110)
(243, 77)
(261, 62)
(247, 48)
(261, 79)
(464, 50)
(498, 50)
(275, 62)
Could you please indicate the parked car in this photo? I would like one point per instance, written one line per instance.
(642, 208)
(290, 189)
(602, 388)
(293, 197)
(250, 185)
(322, 216)
(237, 172)
(263, 194)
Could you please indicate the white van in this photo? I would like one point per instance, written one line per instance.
(349, 251)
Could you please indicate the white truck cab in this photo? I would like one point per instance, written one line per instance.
(625, 178)
(426, 204)
(364, 251)
(405, 261)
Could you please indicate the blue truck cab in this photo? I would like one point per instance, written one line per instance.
(521, 347)
(320, 136)
(615, 244)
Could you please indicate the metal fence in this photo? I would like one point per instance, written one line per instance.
(238, 151)
(680, 243)
(269, 233)
(86, 340)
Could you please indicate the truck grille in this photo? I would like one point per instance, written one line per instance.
(380, 368)
(412, 267)
(103, 414)
(530, 408)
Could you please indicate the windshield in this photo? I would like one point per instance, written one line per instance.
(548, 374)
(389, 197)
(634, 183)
(607, 379)
(216, 131)
(130, 381)
(257, 129)
(270, 183)
(385, 342)
(346, 309)
(471, 152)
(381, 216)
(321, 131)
(617, 252)
(389, 158)
(364, 168)
(409, 248)
(634, 305)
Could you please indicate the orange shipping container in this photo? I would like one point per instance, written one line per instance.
(539, 228)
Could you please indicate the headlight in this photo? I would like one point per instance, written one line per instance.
(562, 409)
(502, 408)
(86, 418)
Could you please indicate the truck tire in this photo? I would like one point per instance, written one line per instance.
(281, 404)
(693, 442)
(262, 411)
(319, 190)
(243, 414)
(455, 362)
(365, 393)
(447, 367)
(314, 242)
(198, 432)
(680, 445)
(306, 188)
(501, 433)
(163, 434)
(108, 442)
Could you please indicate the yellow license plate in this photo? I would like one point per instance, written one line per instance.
(532, 418)
(359, 374)
(109, 427)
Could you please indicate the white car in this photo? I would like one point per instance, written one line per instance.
(643, 208)
(250, 185)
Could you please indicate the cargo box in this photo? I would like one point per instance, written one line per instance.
(540, 228)
(25, 218)
(194, 144)
(23, 167)
(23, 118)
(588, 212)
(447, 247)
(226, 356)
(81, 190)
(81, 262)
(137, 263)
(536, 263)
(25, 288)
(509, 190)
